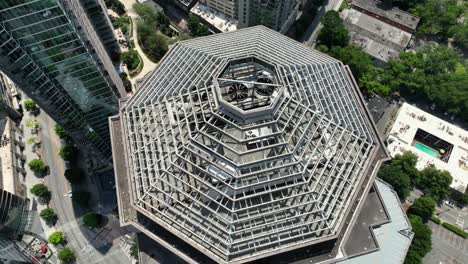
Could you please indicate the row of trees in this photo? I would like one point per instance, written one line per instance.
(153, 43)
(435, 73)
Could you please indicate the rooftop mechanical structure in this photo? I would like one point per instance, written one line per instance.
(244, 145)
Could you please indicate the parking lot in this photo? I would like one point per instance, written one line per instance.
(447, 248)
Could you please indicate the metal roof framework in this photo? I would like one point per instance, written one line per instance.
(239, 183)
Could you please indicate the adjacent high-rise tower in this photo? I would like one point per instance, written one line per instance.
(53, 49)
(275, 14)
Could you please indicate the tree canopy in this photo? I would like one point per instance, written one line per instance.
(153, 43)
(37, 165)
(66, 255)
(435, 73)
(196, 27)
(48, 214)
(29, 105)
(68, 152)
(437, 17)
(435, 183)
(131, 59)
(56, 238)
(400, 172)
(41, 191)
(423, 207)
(60, 132)
(91, 219)
(333, 32)
(421, 243)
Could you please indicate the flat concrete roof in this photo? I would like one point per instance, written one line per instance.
(392, 13)
(7, 179)
(409, 120)
(379, 39)
(214, 18)
(394, 237)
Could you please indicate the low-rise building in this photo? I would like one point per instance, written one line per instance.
(435, 142)
(381, 30)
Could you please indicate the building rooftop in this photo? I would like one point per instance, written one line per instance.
(379, 39)
(214, 18)
(7, 179)
(435, 142)
(392, 235)
(244, 145)
(391, 13)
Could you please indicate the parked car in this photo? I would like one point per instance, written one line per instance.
(449, 203)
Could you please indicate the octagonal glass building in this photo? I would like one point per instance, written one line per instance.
(244, 145)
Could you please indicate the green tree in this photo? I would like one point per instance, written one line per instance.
(421, 243)
(423, 207)
(153, 43)
(131, 59)
(333, 32)
(400, 173)
(31, 140)
(68, 152)
(66, 255)
(435, 183)
(41, 191)
(56, 238)
(437, 17)
(29, 105)
(60, 132)
(48, 214)
(91, 219)
(31, 123)
(399, 180)
(37, 165)
(435, 73)
(74, 174)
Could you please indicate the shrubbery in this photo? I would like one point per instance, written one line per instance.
(456, 230)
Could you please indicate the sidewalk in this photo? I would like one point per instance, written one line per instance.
(148, 65)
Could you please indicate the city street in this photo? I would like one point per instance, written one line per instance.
(456, 215)
(91, 246)
(312, 31)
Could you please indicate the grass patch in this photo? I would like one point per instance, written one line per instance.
(344, 6)
(455, 230)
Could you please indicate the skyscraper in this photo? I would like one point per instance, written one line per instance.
(12, 215)
(244, 145)
(275, 14)
(53, 50)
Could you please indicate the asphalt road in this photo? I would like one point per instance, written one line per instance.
(447, 248)
(90, 246)
(312, 31)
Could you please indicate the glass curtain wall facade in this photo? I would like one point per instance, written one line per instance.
(42, 50)
(12, 214)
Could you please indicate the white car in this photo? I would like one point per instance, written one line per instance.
(449, 203)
